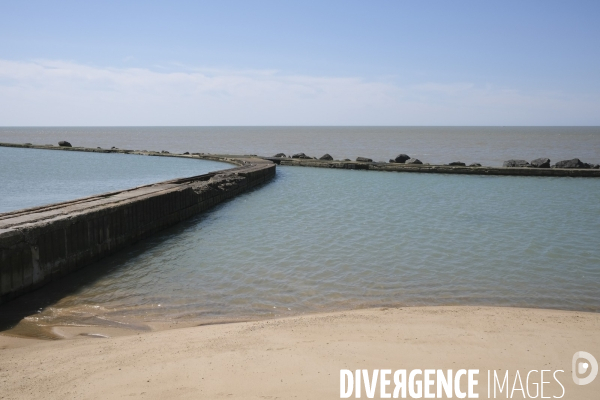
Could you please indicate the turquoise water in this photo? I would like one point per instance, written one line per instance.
(31, 177)
(317, 240)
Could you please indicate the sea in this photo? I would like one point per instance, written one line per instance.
(316, 240)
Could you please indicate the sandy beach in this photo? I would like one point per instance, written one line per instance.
(301, 357)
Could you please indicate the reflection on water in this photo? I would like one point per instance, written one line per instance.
(316, 239)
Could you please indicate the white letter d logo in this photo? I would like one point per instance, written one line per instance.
(582, 367)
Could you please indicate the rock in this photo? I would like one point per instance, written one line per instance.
(326, 157)
(401, 158)
(457, 164)
(541, 163)
(413, 161)
(64, 143)
(574, 163)
(301, 155)
(187, 152)
(165, 152)
(113, 148)
(225, 181)
(363, 159)
(475, 164)
(516, 164)
(279, 155)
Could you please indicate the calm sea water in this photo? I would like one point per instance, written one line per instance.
(30, 177)
(318, 239)
(486, 145)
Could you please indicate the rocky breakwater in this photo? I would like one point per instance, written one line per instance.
(38, 245)
(406, 163)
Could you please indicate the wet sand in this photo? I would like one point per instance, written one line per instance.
(298, 357)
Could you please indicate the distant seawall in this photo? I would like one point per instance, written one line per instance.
(41, 244)
(436, 169)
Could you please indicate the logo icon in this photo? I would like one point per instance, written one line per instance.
(581, 367)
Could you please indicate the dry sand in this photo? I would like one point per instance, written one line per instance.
(301, 357)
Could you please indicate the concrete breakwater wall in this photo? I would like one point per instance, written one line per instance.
(435, 169)
(40, 244)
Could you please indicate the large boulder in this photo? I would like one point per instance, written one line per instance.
(541, 163)
(516, 164)
(457, 164)
(363, 159)
(574, 163)
(64, 143)
(326, 157)
(301, 155)
(401, 158)
(413, 161)
(280, 155)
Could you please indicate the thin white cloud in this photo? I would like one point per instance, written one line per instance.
(55, 92)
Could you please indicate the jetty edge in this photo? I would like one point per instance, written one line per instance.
(434, 169)
(41, 244)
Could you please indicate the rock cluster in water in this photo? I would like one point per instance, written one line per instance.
(541, 163)
(406, 159)
(515, 163)
(401, 158)
(301, 156)
(545, 163)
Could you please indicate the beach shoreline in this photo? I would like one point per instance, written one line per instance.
(301, 356)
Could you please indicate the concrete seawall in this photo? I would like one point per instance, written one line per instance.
(436, 169)
(38, 245)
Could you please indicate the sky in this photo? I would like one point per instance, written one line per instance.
(120, 63)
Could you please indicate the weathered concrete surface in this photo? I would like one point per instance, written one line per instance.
(436, 169)
(40, 244)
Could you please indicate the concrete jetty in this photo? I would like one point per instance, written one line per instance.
(41, 244)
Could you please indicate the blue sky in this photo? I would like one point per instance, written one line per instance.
(300, 63)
